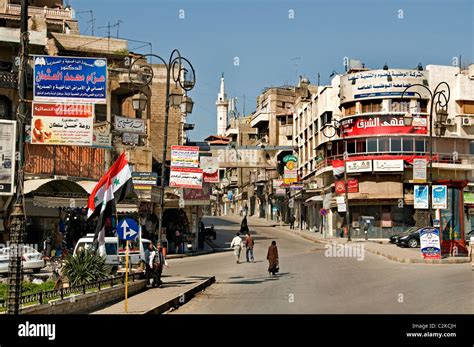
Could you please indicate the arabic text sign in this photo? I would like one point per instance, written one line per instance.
(290, 176)
(440, 197)
(210, 167)
(359, 166)
(421, 197)
(144, 180)
(186, 178)
(430, 243)
(70, 79)
(352, 185)
(197, 197)
(185, 156)
(382, 125)
(62, 124)
(419, 170)
(277, 183)
(7, 156)
(388, 165)
(131, 125)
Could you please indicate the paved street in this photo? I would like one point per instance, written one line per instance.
(309, 282)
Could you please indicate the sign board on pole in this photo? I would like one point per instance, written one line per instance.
(7, 156)
(440, 197)
(70, 79)
(430, 243)
(186, 178)
(341, 208)
(323, 212)
(127, 229)
(185, 156)
(421, 197)
(419, 170)
(62, 124)
(210, 168)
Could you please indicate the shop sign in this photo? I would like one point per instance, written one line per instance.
(430, 243)
(419, 170)
(290, 176)
(421, 197)
(210, 168)
(388, 165)
(101, 137)
(144, 180)
(7, 156)
(197, 197)
(382, 125)
(352, 185)
(280, 192)
(62, 124)
(130, 139)
(341, 208)
(359, 166)
(440, 197)
(185, 156)
(66, 79)
(186, 178)
(130, 125)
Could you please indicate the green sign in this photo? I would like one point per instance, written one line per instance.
(468, 197)
(290, 158)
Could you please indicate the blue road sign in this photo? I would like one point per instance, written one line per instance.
(127, 229)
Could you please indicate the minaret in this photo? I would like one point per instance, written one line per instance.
(222, 109)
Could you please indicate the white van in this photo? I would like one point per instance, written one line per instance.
(115, 250)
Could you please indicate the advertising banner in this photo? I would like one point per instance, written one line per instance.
(352, 185)
(197, 197)
(277, 183)
(421, 197)
(440, 197)
(419, 170)
(210, 168)
(130, 125)
(185, 156)
(144, 180)
(388, 165)
(382, 125)
(62, 124)
(430, 243)
(7, 156)
(186, 178)
(66, 79)
(359, 166)
(290, 176)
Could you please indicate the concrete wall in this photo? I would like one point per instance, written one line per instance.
(87, 303)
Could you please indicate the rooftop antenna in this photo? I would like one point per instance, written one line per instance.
(118, 26)
(296, 63)
(91, 22)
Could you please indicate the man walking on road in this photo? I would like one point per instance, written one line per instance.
(249, 243)
(236, 244)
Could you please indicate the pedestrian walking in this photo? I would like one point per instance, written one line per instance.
(157, 261)
(148, 267)
(236, 244)
(292, 222)
(272, 257)
(177, 240)
(244, 228)
(249, 244)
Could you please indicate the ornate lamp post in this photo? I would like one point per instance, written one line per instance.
(439, 99)
(182, 72)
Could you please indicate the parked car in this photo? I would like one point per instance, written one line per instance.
(394, 238)
(411, 240)
(32, 259)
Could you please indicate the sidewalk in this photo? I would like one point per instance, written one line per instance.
(174, 292)
(376, 246)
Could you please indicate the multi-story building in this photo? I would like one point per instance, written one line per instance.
(380, 146)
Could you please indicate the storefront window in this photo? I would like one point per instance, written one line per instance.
(361, 146)
(384, 145)
(407, 144)
(396, 144)
(371, 145)
(419, 145)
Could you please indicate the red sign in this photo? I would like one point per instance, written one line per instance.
(352, 184)
(63, 110)
(382, 125)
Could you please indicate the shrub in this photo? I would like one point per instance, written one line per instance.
(84, 267)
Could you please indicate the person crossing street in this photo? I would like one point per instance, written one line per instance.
(236, 244)
(249, 244)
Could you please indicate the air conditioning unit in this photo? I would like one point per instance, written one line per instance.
(450, 121)
(466, 121)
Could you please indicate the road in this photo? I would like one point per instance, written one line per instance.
(310, 282)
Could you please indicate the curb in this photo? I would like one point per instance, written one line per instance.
(178, 300)
(178, 256)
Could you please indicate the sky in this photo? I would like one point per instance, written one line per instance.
(263, 43)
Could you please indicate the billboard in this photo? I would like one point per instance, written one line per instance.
(7, 156)
(185, 156)
(186, 178)
(382, 125)
(66, 79)
(62, 124)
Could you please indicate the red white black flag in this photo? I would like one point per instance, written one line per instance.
(112, 188)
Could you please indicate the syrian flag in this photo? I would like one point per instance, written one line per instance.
(338, 168)
(112, 188)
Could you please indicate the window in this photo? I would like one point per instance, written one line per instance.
(400, 106)
(350, 109)
(471, 148)
(371, 106)
(290, 120)
(396, 144)
(351, 146)
(384, 145)
(110, 248)
(407, 144)
(371, 145)
(282, 120)
(419, 145)
(361, 146)
(422, 106)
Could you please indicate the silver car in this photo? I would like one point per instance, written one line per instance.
(32, 259)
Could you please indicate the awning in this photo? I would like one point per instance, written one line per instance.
(88, 185)
(127, 208)
(56, 202)
(52, 186)
(314, 198)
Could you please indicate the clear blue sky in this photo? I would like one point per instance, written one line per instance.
(266, 41)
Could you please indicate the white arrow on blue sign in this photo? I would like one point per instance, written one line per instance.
(127, 229)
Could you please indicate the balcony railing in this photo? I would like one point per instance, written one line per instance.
(73, 161)
(8, 80)
(53, 13)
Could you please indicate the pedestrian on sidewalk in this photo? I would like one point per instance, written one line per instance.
(249, 243)
(148, 267)
(157, 261)
(236, 244)
(244, 228)
(272, 257)
(292, 222)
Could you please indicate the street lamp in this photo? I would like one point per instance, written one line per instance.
(182, 75)
(329, 131)
(439, 99)
(139, 102)
(187, 105)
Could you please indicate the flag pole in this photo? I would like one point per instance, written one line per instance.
(126, 279)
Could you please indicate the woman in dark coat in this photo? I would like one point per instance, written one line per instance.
(272, 256)
(244, 228)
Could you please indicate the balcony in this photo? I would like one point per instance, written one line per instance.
(71, 161)
(8, 80)
(259, 118)
(50, 13)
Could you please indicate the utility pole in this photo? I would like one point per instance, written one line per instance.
(17, 217)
